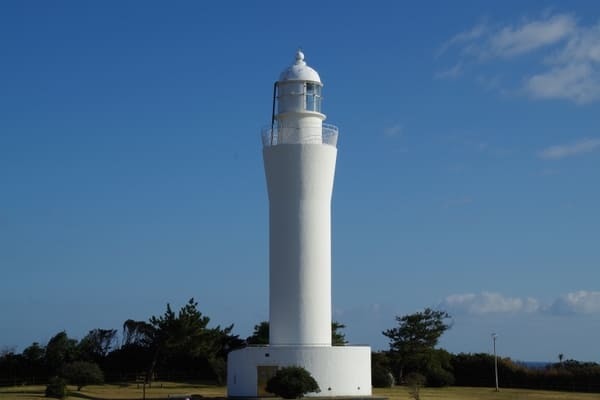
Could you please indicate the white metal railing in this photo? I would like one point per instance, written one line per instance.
(287, 135)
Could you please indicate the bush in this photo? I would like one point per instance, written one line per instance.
(56, 388)
(415, 382)
(439, 377)
(292, 383)
(83, 373)
(381, 377)
(219, 367)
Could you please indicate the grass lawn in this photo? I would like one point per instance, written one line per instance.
(164, 389)
(159, 390)
(470, 393)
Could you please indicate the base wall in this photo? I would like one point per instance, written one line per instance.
(339, 370)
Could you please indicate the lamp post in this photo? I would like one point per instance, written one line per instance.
(494, 336)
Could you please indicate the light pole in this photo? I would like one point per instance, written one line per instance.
(494, 336)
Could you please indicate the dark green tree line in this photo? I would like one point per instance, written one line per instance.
(173, 344)
(182, 344)
(260, 336)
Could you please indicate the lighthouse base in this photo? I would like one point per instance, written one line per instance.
(339, 370)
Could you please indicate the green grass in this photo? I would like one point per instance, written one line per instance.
(161, 390)
(470, 393)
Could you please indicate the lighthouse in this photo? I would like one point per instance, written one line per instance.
(299, 153)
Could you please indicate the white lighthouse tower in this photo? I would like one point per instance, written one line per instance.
(299, 154)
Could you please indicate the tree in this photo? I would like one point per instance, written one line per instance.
(381, 375)
(438, 368)
(34, 358)
(34, 353)
(415, 382)
(6, 350)
(83, 373)
(338, 338)
(138, 333)
(12, 366)
(223, 341)
(292, 383)
(96, 344)
(185, 330)
(413, 341)
(186, 335)
(59, 351)
(260, 336)
(171, 333)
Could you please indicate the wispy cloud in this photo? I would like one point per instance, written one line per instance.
(450, 73)
(578, 82)
(565, 53)
(491, 83)
(464, 37)
(583, 45)
(392, 131)
(569, 150)
(486, 303)
(528, 36)
(487, 41)
(579, 302)
(574, 72)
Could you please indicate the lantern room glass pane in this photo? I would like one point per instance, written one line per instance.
(313, 97)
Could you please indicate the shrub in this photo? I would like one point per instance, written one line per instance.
(56, 388)
(381, 377)
(219, 367)
(83, 373)
(292, 383)
(415, 382)
(439, 377)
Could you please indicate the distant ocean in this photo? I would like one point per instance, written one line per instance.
(534, 364)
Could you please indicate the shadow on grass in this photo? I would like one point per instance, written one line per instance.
(19, 392)
(84, 396)
(80, 395)
(25, 392)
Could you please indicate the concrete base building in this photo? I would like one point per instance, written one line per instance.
(299, 153)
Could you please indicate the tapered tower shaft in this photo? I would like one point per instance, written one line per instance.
(299, 158)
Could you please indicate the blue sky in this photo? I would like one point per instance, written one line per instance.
(469, 156)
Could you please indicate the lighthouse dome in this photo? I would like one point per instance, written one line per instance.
(299, 71)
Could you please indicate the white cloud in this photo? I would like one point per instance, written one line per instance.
(569, 150)
(392, 131)
(528, 36)
(583, 45)
(486, 303)
(574, 72)
(581, 302)
(464, 37)
(578, 82)
(568, 68)
(484, 41)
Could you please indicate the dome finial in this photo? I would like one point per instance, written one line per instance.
(299, 71)
(299, 56)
